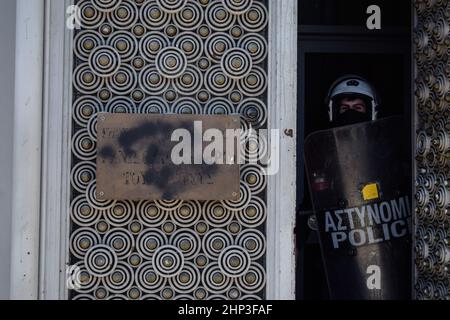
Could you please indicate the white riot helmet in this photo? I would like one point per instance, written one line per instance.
(351, 85)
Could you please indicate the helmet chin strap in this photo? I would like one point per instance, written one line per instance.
(374, 111)
(331, 111)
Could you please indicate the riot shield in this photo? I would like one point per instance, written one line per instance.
(360, 184)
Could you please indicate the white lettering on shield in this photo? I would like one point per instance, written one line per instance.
(370, 224)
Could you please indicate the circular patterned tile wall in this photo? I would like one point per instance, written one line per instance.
(168, 56)
(432, 90)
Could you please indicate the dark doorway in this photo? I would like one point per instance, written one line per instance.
(333, 41)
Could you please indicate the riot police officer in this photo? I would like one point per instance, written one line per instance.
(359, 175)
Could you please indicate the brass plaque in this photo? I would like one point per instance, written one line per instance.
(135, 157)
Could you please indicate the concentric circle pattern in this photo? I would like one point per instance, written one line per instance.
(168, 261)
(237, 63)
(161, 57)
(432, 192)
(171, 62)
(238, 7)
(100, 261)
(104, 61)
(106, 5)
(234, 261)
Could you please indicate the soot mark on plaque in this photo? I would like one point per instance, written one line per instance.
(108, 153)
(152, 154)
(160, 132)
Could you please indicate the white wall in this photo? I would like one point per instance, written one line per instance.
(7, 50)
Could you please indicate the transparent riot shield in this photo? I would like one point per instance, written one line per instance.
(360, 184)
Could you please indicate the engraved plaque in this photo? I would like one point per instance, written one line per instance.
(167, 157)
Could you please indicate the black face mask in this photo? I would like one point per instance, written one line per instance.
(351, 117)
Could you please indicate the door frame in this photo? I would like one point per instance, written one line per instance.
(26, 171)
(281, 254)
(56, 165)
